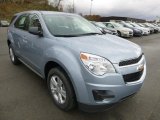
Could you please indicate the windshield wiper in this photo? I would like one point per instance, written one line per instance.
(94, 33)
(65, 35)
(85, 34)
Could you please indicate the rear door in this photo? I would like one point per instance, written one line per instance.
(19, 35)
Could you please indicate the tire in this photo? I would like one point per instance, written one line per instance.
(61, 89)
(13, 57)
(119, 33)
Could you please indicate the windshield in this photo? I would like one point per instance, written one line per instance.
(150, 25)
(128, 25)
(135, 25)
(141, 25)
(69, 25)
(100, 24)
(117, 25)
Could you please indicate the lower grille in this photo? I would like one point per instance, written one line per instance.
(132, 77)
(114, 33)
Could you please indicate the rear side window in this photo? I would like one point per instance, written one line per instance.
(21, 22)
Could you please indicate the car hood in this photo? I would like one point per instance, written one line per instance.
(125, 29)
(143, 28)
(111, 47)
(135, 29)
(111, 29)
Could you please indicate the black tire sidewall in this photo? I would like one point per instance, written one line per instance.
(69, 91)
(16, 61)
(10, 47)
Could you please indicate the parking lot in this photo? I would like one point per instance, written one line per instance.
(24, 95)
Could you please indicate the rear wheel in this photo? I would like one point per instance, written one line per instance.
(61, 89)
(13, 57)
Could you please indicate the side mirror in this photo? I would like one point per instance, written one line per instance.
(35, 31)
(103, 31)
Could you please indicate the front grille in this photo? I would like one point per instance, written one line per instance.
(132, 77)
(130, 32)
(129, 62)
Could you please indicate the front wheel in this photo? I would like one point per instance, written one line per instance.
(61, 89)
(13, 57)
(119, 33)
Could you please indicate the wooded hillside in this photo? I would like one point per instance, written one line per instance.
(9, 7)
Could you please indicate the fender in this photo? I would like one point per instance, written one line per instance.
(10, 38)
(71, 64)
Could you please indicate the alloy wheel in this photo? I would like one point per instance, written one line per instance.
(58, 89)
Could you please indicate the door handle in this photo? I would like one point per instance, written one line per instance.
(24, 39)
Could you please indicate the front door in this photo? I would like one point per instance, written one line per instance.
(34, 49)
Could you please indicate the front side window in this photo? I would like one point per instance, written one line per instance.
(69, 25)
(34, 21)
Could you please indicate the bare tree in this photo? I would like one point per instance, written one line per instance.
(70, 8)
(56, 3)
(21, 1)
(4, 1)
(59, 1)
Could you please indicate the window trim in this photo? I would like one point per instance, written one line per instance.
(32, 15)
(14, 18)
(26, 14)
(36, 16)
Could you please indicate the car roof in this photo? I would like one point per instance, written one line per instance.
(45, 12)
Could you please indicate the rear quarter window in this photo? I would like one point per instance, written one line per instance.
(21, 22)
(13, 18)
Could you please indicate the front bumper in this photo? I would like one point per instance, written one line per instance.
(100, 108)
(146, 32)
(127, 34)
(114, 85)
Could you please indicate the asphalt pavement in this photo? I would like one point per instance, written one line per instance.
(24, 95)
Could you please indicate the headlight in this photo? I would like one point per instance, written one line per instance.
(96, 64)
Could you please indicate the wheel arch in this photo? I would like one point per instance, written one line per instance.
(52, 64)
(8, 42)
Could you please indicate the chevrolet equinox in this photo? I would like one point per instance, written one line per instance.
(81, 65)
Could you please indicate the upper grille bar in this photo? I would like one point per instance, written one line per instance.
(131, 61)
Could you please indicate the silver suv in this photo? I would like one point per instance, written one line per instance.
(80, 65)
